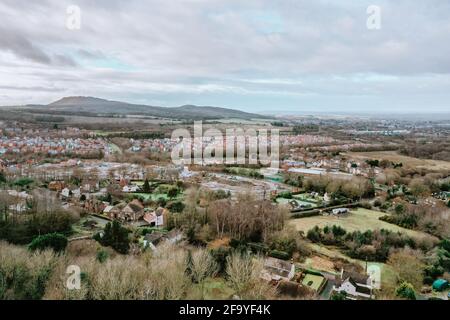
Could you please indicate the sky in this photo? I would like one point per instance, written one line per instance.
(267, 56)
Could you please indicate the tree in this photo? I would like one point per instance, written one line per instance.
(406, 290)
(146, 187)
(339, 295)
(408, 265)
(203, 265)
(115, 236)
(418, 188)
(2, 177)
(55, 241)
(172, 192)
(161, 202)
(176, 206)
(244, 276)
(399, 208)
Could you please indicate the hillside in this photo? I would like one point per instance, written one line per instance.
(97, 106)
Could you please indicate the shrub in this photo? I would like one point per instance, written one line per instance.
(299, 215)
(366, 205)
(280, 255)
(406, 291)
(24, 275)
(176, 206)
(55, 241)
(102, 256)
(377, 203)
(115, 236)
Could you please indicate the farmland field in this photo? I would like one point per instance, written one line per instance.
(357, 220)
(407, 161)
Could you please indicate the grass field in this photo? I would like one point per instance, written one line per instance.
(313, 281)
(212, 289)
(407, 161)
(357, 220)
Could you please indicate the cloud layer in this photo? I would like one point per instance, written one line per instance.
(255, 55)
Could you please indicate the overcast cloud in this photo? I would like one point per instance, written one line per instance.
(254, 55)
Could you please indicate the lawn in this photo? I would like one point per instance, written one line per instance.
(313, 281)
(357, 220)
(213, 289)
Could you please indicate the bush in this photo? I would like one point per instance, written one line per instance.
(24, 275)
(305, 214)
(176, 206)
(55, 241)
(285, 195)
(102, 256)
(161, 202)
(2, 177)
(220, 257)
(377, 203)
(22, 182)
(366, 205)
(280, 255)
(406, 291)
(115, 236)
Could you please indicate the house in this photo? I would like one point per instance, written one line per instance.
(56, 186)
(130, 188)
(174, 236)
(114, 212)
(132, 211)
(339, 211)
(156, 218)
(107, 210)
(153, 239)
(276, 270)
(65, 193)
(355, 285)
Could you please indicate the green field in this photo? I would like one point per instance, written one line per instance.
(357, 220)
(313, 281)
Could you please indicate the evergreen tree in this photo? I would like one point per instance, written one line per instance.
(115, 236)
(146, 187)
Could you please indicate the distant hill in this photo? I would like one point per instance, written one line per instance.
(97, 106)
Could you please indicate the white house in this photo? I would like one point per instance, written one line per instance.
(65, 193)
(339, 211)
(356, 286)
(131, 188)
